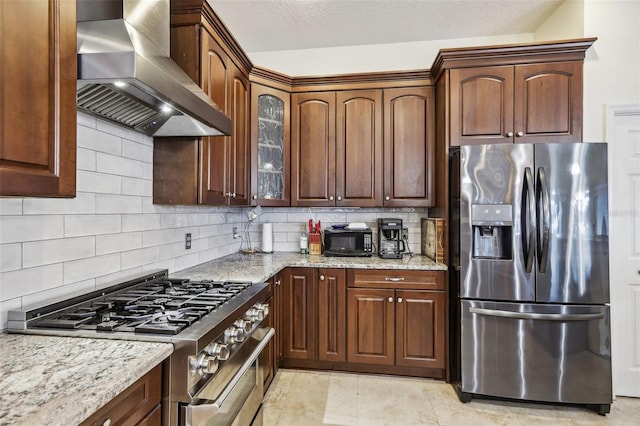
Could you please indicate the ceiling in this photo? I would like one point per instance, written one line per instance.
(276, 25)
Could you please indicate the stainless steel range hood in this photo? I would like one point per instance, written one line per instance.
(125, 73)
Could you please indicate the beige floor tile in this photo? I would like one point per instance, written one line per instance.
(309, 398)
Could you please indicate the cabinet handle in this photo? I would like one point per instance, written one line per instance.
(330, 197)
(233, 194)
(390, 299)
(278, 282)
(387, 198)
(321, 277)
(255, 197)
(394, 279)
(520, 134)
(339, 198)
(509, 134)
(399, 299)
(107, 422)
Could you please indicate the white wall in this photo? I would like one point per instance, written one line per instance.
(566, 22)
(612, 65)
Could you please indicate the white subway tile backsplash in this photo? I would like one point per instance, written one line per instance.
(198, 219)
(115, 243)
(140, 222)
(162, 264)
(139, 257)
(81, 225)
(174, 220)
(98, 141)
(85, 159)
(136, 186)
(40, 253)
(147, 171)
(86, 120)
(179, 234)
(83, 203)
(111, 203)
(137, 151)
(149, 207)
(10, 206)
(187, 261)
(10, 257)
(57, 294)
(15, 229)
(157, 237)
(117, 130)
(117, 277)
(27, 281)
(116, 165)
(98, 182)
(84, 269)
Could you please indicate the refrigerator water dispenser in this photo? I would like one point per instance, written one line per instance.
(492, 230)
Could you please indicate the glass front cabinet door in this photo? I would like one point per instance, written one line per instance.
(269, 146)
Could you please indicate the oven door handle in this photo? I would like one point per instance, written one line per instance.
(209, 410)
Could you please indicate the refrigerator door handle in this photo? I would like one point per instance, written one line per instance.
(528, 224)
(535, 316)
(543, 218)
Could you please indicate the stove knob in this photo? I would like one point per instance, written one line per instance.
(210, 365)
(244, 325)
(264, 307)
(254, 315)
(233, 335)
(219, 350)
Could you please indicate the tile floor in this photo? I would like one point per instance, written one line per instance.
(310, 398)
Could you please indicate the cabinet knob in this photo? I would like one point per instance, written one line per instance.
(399, 299)
(330, 197)
(390, 299)
(255, 197)
(509, 134)
(339, 198)
(278, 282)
(321, 277)
(233, 194)
(107, 422)
(387, 198)
(520, 134)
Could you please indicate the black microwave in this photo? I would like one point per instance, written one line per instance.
(348, 242)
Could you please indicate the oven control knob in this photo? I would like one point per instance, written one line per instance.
(203, 364)
(264, 307)
(233, 335)
(244, 325)
(218, 350)
(254, 315)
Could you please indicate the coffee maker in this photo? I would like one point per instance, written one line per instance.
(390, 242)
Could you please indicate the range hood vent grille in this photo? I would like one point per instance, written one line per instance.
(107, 102)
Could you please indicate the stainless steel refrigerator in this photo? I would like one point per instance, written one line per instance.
(530, 269)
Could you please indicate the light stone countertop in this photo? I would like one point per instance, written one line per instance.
(260, 267)
(52, 380)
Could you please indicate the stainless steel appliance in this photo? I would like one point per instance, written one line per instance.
(530, 266)
(125, 73)
(214, 376)
(348, 242)
(391, 244)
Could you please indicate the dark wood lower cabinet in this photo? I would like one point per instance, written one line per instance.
(298, 313)
(348, 320)
(138, 404)
(332, 309)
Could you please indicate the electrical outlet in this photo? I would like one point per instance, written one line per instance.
(187, 241)
(235, 232)
(405, 234)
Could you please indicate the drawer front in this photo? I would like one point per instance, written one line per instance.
(395, 278)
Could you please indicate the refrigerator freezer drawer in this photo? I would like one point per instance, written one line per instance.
(551, 353)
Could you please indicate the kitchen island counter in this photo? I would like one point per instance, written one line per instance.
(259, 267)
(57, 380)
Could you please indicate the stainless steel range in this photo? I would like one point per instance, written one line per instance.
(213, 375)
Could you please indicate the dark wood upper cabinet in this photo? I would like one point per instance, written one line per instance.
(239, 154)
(313, 149)
(337, 148)
(38, 98)
(409, 147)
(270, 146)
(517, 104)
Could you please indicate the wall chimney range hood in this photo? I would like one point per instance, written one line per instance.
(125, 74)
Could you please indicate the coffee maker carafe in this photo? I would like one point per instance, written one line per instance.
(390, 242)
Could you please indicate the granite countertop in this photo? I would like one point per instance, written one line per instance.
(63, 380)
(260, 267)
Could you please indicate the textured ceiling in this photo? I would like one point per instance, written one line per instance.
(272, 25)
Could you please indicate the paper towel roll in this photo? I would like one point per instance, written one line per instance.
(267, 237)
